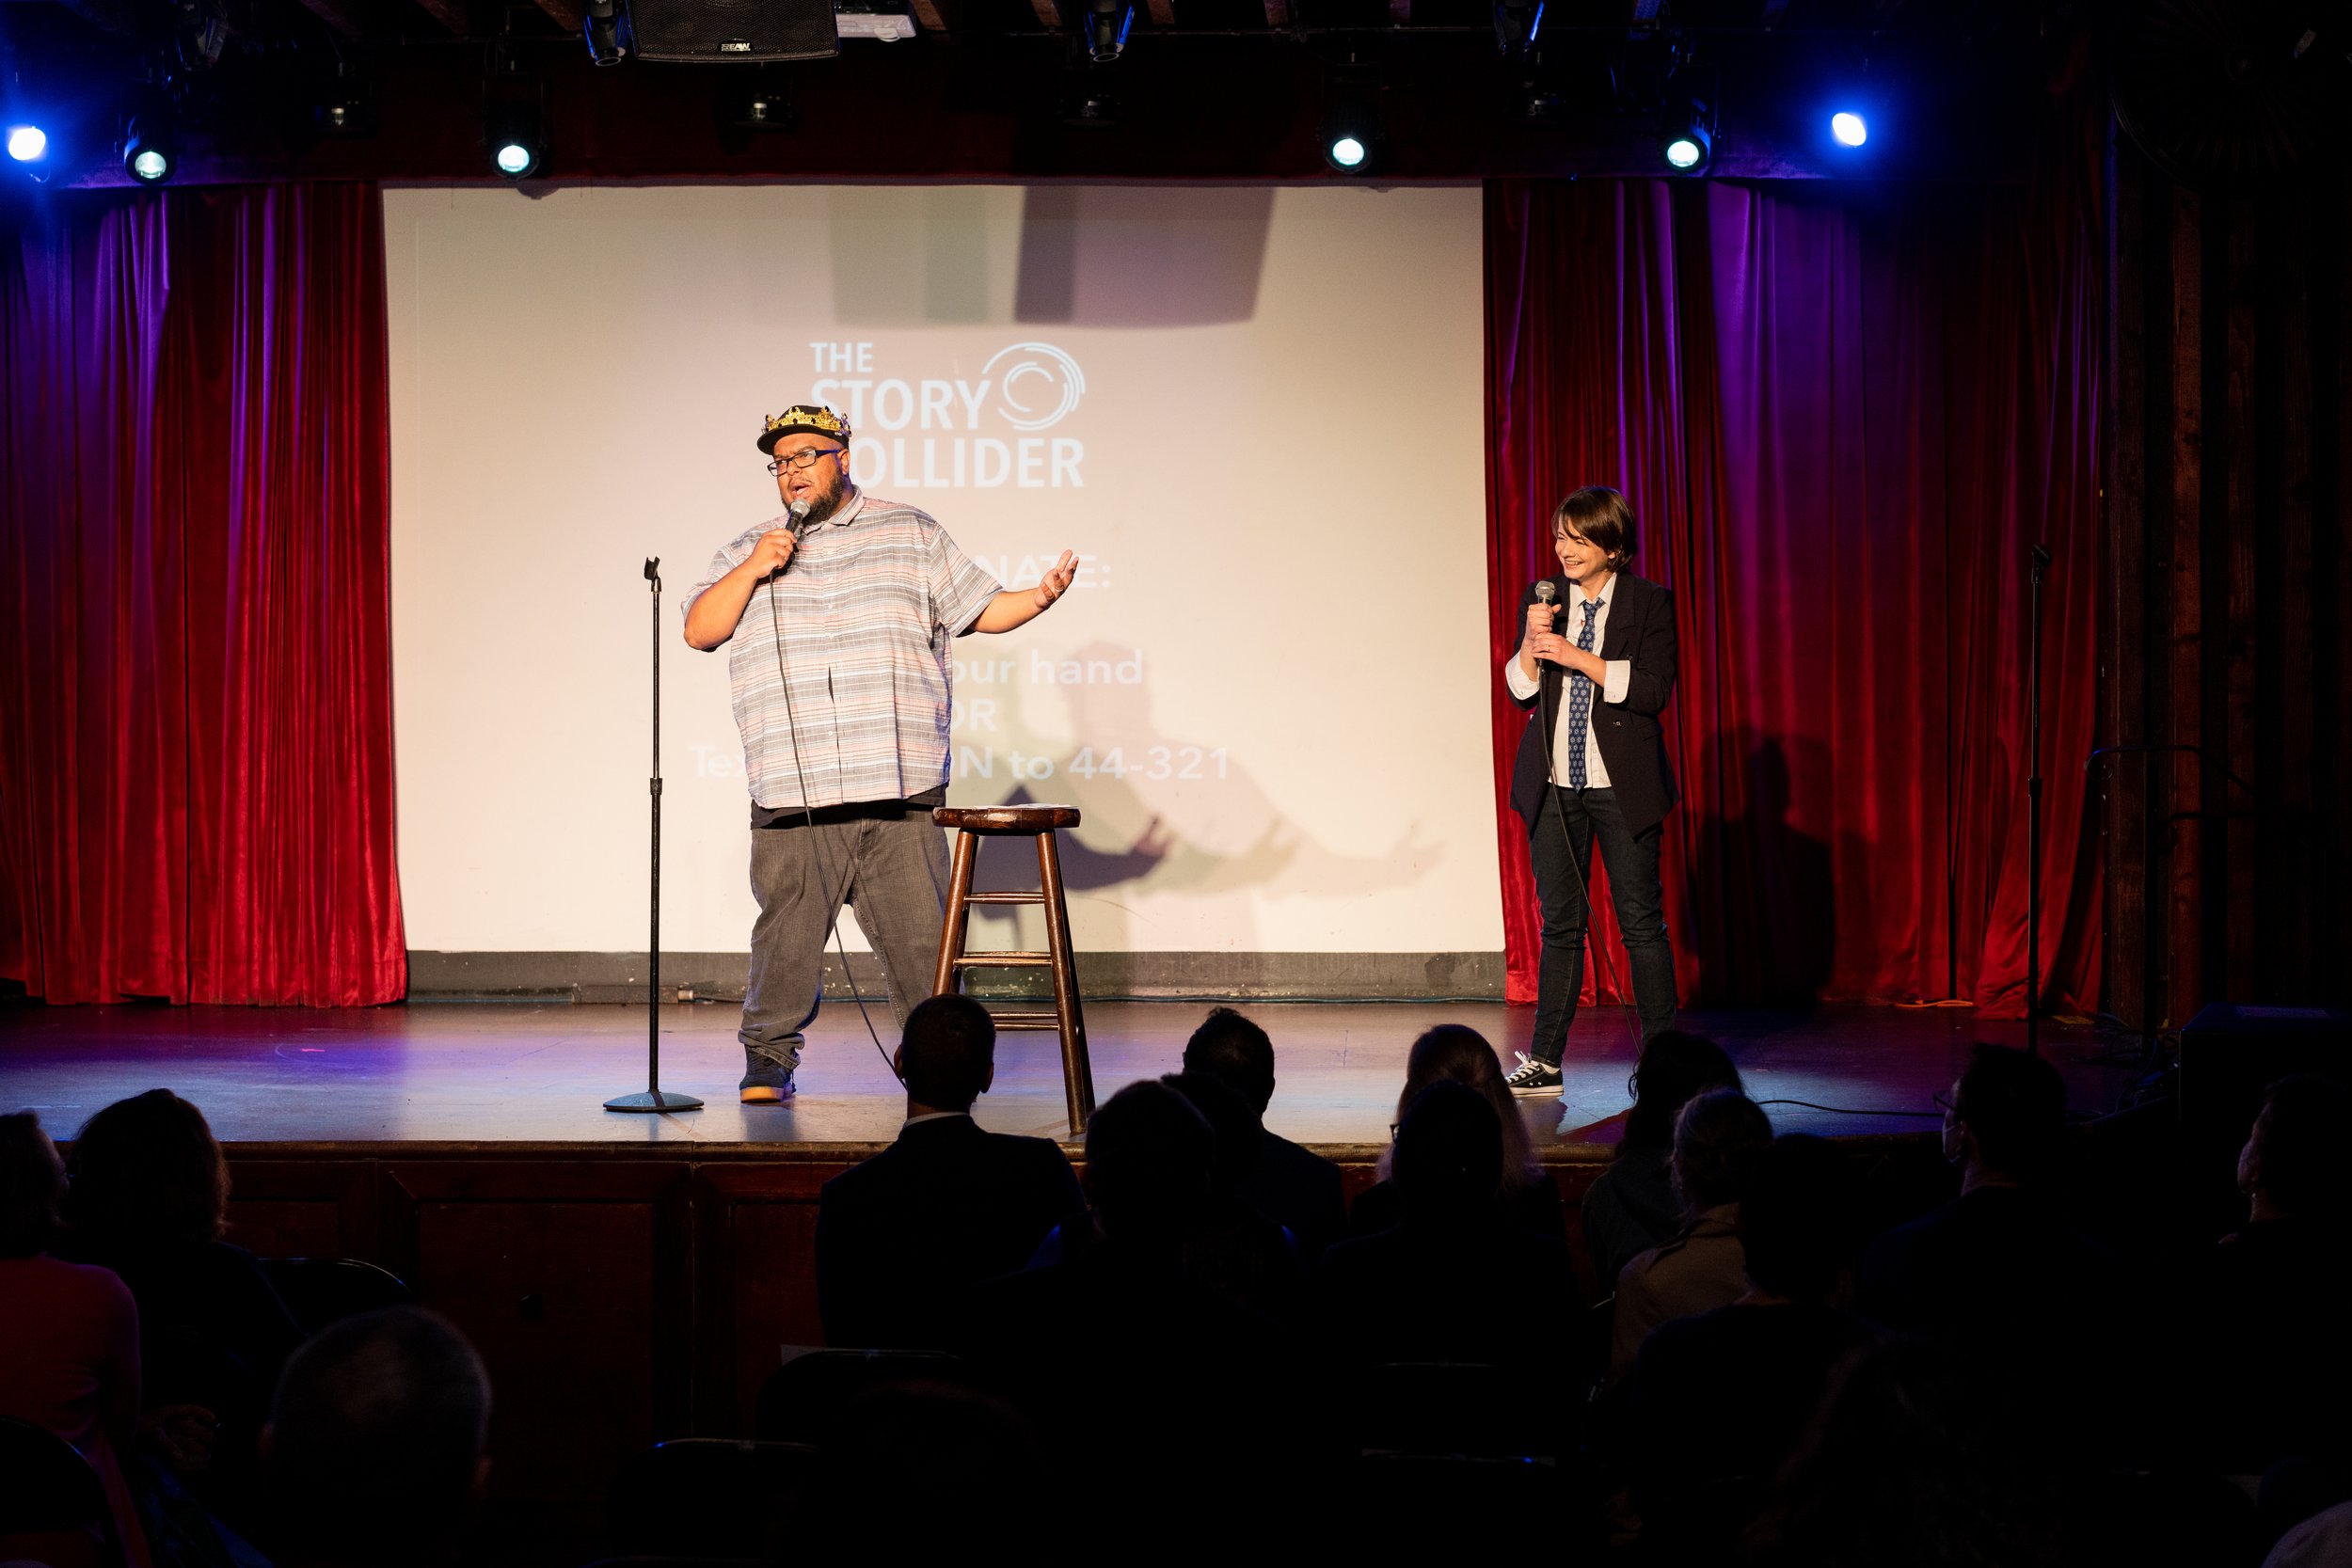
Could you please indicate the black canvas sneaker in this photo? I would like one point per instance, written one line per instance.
(1533, 1076)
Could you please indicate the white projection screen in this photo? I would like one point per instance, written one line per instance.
(1255, 413)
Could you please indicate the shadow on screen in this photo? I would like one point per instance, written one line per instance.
(1778, 910)
(1049, 255)
(1127, 256)
(1125, 839)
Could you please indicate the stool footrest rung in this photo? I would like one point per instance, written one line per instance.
(1004, 960)
(1004, 899)
(1025, 1021)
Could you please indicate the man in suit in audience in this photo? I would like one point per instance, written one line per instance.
(902, 1237)
(1995, 1272)
(1296, 1189)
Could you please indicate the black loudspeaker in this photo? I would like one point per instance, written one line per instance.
(2229, 1053)
(724, 31)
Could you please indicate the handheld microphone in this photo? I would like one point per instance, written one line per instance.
(1545, 592)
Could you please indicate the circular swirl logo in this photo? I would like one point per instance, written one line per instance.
(1037, 384)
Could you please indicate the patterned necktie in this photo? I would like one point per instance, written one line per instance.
(1580, 703)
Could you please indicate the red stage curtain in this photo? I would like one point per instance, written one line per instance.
(1842, 414)
(195, 726)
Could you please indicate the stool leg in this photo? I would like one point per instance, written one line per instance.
(1077, 1073)
(951, 934)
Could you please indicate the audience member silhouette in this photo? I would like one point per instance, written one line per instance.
(72, 1359)
(1152, 1384)
(1436, 1285)
(1719, 1137)
(1904, 1464)
(1525, 1192)
(1235, 1249)
(374, 1454)
(1987, 1274)
(1631, 1207)
(903, 1237)
(1716, 1401)
(149, 1200)
(1297, 1190)
(2279, 1293)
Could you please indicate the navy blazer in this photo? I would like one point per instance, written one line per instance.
(1632, 747)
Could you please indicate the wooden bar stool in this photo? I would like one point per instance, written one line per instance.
(972, 824)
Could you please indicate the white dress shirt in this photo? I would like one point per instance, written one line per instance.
(1620, 673)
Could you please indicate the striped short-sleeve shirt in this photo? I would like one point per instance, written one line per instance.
(867, 609)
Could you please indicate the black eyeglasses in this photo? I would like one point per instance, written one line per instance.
(805, 458)
(1944, 1103)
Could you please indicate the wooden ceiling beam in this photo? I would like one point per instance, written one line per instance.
(566, 14)
(341, 15)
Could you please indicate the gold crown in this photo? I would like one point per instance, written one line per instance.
(813, 417)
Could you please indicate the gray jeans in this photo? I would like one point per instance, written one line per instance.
(889, 862)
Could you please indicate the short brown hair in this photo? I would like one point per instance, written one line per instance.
(1603, 515)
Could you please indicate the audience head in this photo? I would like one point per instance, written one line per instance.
(32, 1184)
(1796, 1221)
(1231, 1048)
(2295, 1164)
(1672, 1066)
(1455, 1054)
(947, 1053)
(148, 1172)
(1231, 1121)
(374, 1449)
(1147, 1160)
(1719, 1138)
(2008, 1115)
(1449, 1151)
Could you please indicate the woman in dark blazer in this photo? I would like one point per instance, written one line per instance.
(1594, 669)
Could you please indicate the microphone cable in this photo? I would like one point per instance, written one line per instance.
(824, 872)
(1583, 887)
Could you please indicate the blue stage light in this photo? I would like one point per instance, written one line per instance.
(1683, 153)
(1346, 153)
(27, 143)
(1849, 128)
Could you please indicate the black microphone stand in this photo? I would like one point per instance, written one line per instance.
(653, 1099)
(2033, 804)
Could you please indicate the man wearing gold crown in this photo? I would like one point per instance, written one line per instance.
(837, 618)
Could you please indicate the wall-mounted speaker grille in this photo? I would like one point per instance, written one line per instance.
(728, 30)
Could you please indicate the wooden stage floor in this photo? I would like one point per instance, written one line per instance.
(535, 1072)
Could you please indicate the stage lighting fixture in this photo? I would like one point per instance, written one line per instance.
(151, 152)
(1689, 143)
(27, 144)
(1849, 128)
(1088, 98)
(344, 108)
(1517, 23)
(1347, 153)
(1106, 23)
(517, 144)
(763, 105)
(605, 25)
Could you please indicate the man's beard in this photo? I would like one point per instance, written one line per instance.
(827, 501)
